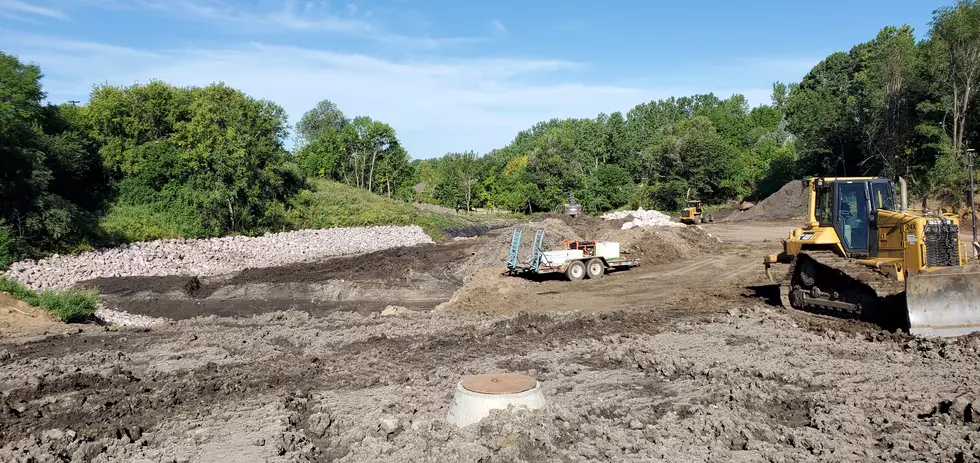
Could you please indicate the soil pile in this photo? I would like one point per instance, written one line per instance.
(491, 291)
(18, 318)
(790, 202)
(494, 253)
(659, 245)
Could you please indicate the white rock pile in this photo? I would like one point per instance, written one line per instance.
(116, 317)
(211, 257)
(642, 218)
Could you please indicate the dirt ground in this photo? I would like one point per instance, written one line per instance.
(684, 358)
(19, 319)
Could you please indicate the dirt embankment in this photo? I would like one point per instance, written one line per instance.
(790, 202)
(20, 319)
(419, 276)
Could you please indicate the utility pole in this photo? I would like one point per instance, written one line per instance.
(973, 204)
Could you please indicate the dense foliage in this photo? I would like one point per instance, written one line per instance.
(890, 106)
(155, 160)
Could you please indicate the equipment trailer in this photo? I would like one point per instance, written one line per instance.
(579, 259)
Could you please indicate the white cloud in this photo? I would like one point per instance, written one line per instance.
(498, 27)
(436, 106)
(18, 6)
(291, 16)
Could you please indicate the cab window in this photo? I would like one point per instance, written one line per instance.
(824, 212)
(882, 195)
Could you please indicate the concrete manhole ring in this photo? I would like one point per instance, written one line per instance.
(476, 395)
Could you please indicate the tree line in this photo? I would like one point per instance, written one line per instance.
(210, 161)
(889, 106)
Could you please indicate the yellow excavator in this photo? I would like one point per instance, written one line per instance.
(862, 255)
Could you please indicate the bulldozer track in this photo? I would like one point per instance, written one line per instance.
(855, 290)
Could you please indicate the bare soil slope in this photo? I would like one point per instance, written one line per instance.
(20, 319)
(790, 202)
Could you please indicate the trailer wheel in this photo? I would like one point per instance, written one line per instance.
(595, 268)
(575, 271)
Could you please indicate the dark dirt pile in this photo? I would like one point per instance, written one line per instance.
(757, 384)
(790, 202)
(418, 276)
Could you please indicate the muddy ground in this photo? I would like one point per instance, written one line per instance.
(685, 358)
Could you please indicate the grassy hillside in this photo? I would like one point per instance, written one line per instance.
(327, 204)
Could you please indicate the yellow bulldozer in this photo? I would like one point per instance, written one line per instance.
(862, 255)
(694, 213)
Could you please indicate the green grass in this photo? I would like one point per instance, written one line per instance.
(326, 204)
(332, 204)
(126, 223)
(71, 305)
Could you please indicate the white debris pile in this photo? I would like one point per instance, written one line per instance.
(642, 218)
(211, 257)
(120, 318)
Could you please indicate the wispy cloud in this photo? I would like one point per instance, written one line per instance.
(11, 7)
(436, 104)
(292, 16)
(498, 27)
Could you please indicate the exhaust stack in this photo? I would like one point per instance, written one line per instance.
(904, 187)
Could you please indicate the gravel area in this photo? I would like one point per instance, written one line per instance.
(211, 257)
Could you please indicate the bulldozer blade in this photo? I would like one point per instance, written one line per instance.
(944, 303)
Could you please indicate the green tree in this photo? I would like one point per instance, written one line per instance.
(326, 119)
(956, 29)
(50, 175)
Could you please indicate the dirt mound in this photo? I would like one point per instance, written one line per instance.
(18, 318)
(589, 228)
(659, 245)
(129, 286)
(790, 202)
(490, 291)
(391, 264)
(494, 252)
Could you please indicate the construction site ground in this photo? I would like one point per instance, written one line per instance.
(685, 358)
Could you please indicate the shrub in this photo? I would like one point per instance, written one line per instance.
(71, 306)
(9, 245)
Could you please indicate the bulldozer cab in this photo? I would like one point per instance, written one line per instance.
(850, 207)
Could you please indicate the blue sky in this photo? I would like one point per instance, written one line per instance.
(447, 75)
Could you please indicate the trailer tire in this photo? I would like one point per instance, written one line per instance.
(595, 268)
(575, 271)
